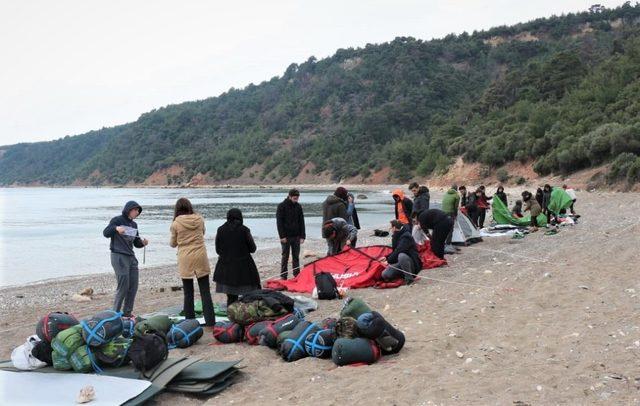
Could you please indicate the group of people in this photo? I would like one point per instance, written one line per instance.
(236, 273)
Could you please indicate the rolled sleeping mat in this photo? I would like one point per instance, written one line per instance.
(252, 332)
(113, 354)
(160, 322)
(320, 343)
(53, 323)
(185, 333)
(359, 350)
(228, 332)
(102, 328)
(269, 335)
(60, 363)
(374, 326)
(354, 307)
(67, 341)
(292, 348)
(128, 324)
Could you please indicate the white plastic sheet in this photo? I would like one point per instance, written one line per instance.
(38, 388)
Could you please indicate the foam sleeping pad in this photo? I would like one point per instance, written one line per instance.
(374, 326)
(348, 351)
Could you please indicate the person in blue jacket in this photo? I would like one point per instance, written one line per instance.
(123, 232)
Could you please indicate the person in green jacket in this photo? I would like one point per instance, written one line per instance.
(450, 203)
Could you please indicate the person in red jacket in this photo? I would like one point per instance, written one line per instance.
(483, 206)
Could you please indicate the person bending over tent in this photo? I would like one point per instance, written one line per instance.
(403, 206)
(441, 224)
(339, 234)
(187, 234)
(572, 195)
(531, 205)
(236, 272)
(404, 256)
(123, 232)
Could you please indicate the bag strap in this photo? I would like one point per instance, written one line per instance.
(46, 327)
(93, 331)
(94, 364)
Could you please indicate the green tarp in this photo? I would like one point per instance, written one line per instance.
(502, 215)
(559, 200)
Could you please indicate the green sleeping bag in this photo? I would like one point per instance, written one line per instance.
(81, 360)
(160, 323)
(113, 354)
(59, 362)
(353, 307)
(67, 341)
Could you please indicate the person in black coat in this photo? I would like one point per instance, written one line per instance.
(291, 230)
(236, 273)
(502, 195)
(441, 224)
(421, 199)
(404, 256)
(539, 196)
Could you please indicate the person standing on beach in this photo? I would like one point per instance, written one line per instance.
(403, 206)
(533, 207)
(352, 212)
(420, 198)
(572, 195)
(336, 205)
(236, 272)
(483, 205)
(123, 232)
(450, 205)
(187, 233)
(291, 230)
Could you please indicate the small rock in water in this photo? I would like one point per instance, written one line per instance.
(362, 197)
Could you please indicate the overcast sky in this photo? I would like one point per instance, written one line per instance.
(68, 67)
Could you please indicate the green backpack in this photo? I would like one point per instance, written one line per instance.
(67, 341)
(59, 362)
(160, 323)
(113, 354)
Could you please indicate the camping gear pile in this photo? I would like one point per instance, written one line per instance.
(359, 336)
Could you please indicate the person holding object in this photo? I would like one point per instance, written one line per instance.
(404, 256)
(123, 232)
(291, 230)
(339, 234)
(187, 233)
(236, 272)
(441, 224)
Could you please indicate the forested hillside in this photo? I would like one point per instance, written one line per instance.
(563, 92)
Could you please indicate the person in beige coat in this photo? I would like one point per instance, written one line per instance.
(187, 233)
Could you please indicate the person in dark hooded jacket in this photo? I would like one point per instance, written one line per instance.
(502, 195)
(441, 224)
(335, 205)
(123, 232)
(404, 256)
(291, 230)
(235, 273)
(352, 212)
(420, 200)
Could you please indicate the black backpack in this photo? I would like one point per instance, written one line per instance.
(42, 351)
(326, 286)
(148, 350)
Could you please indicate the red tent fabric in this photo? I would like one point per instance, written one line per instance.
(352, 268)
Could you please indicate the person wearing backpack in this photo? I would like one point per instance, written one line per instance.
(236, 272)
(404, 262)
(187, 234)
(291, 230)
(123, 232)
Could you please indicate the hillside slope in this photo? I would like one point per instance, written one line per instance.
(561, 91)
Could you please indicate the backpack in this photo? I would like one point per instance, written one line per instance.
(114, 354)
(148, 349)
(326, 286)
(160, 322)
(42, 351)
(50, 325)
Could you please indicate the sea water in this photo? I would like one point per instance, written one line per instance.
(56, 232)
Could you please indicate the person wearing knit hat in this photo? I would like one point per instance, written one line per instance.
(335, 205)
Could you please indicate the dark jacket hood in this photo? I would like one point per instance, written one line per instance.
(129, 206)
(234, 215)
(333, 199)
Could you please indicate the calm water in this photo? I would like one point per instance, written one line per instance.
(49, 233)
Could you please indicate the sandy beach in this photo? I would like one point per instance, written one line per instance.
(543, 320)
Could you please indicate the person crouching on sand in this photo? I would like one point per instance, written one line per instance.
(236, 272)
(123, 232)
(339, 234)
(187, 233)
